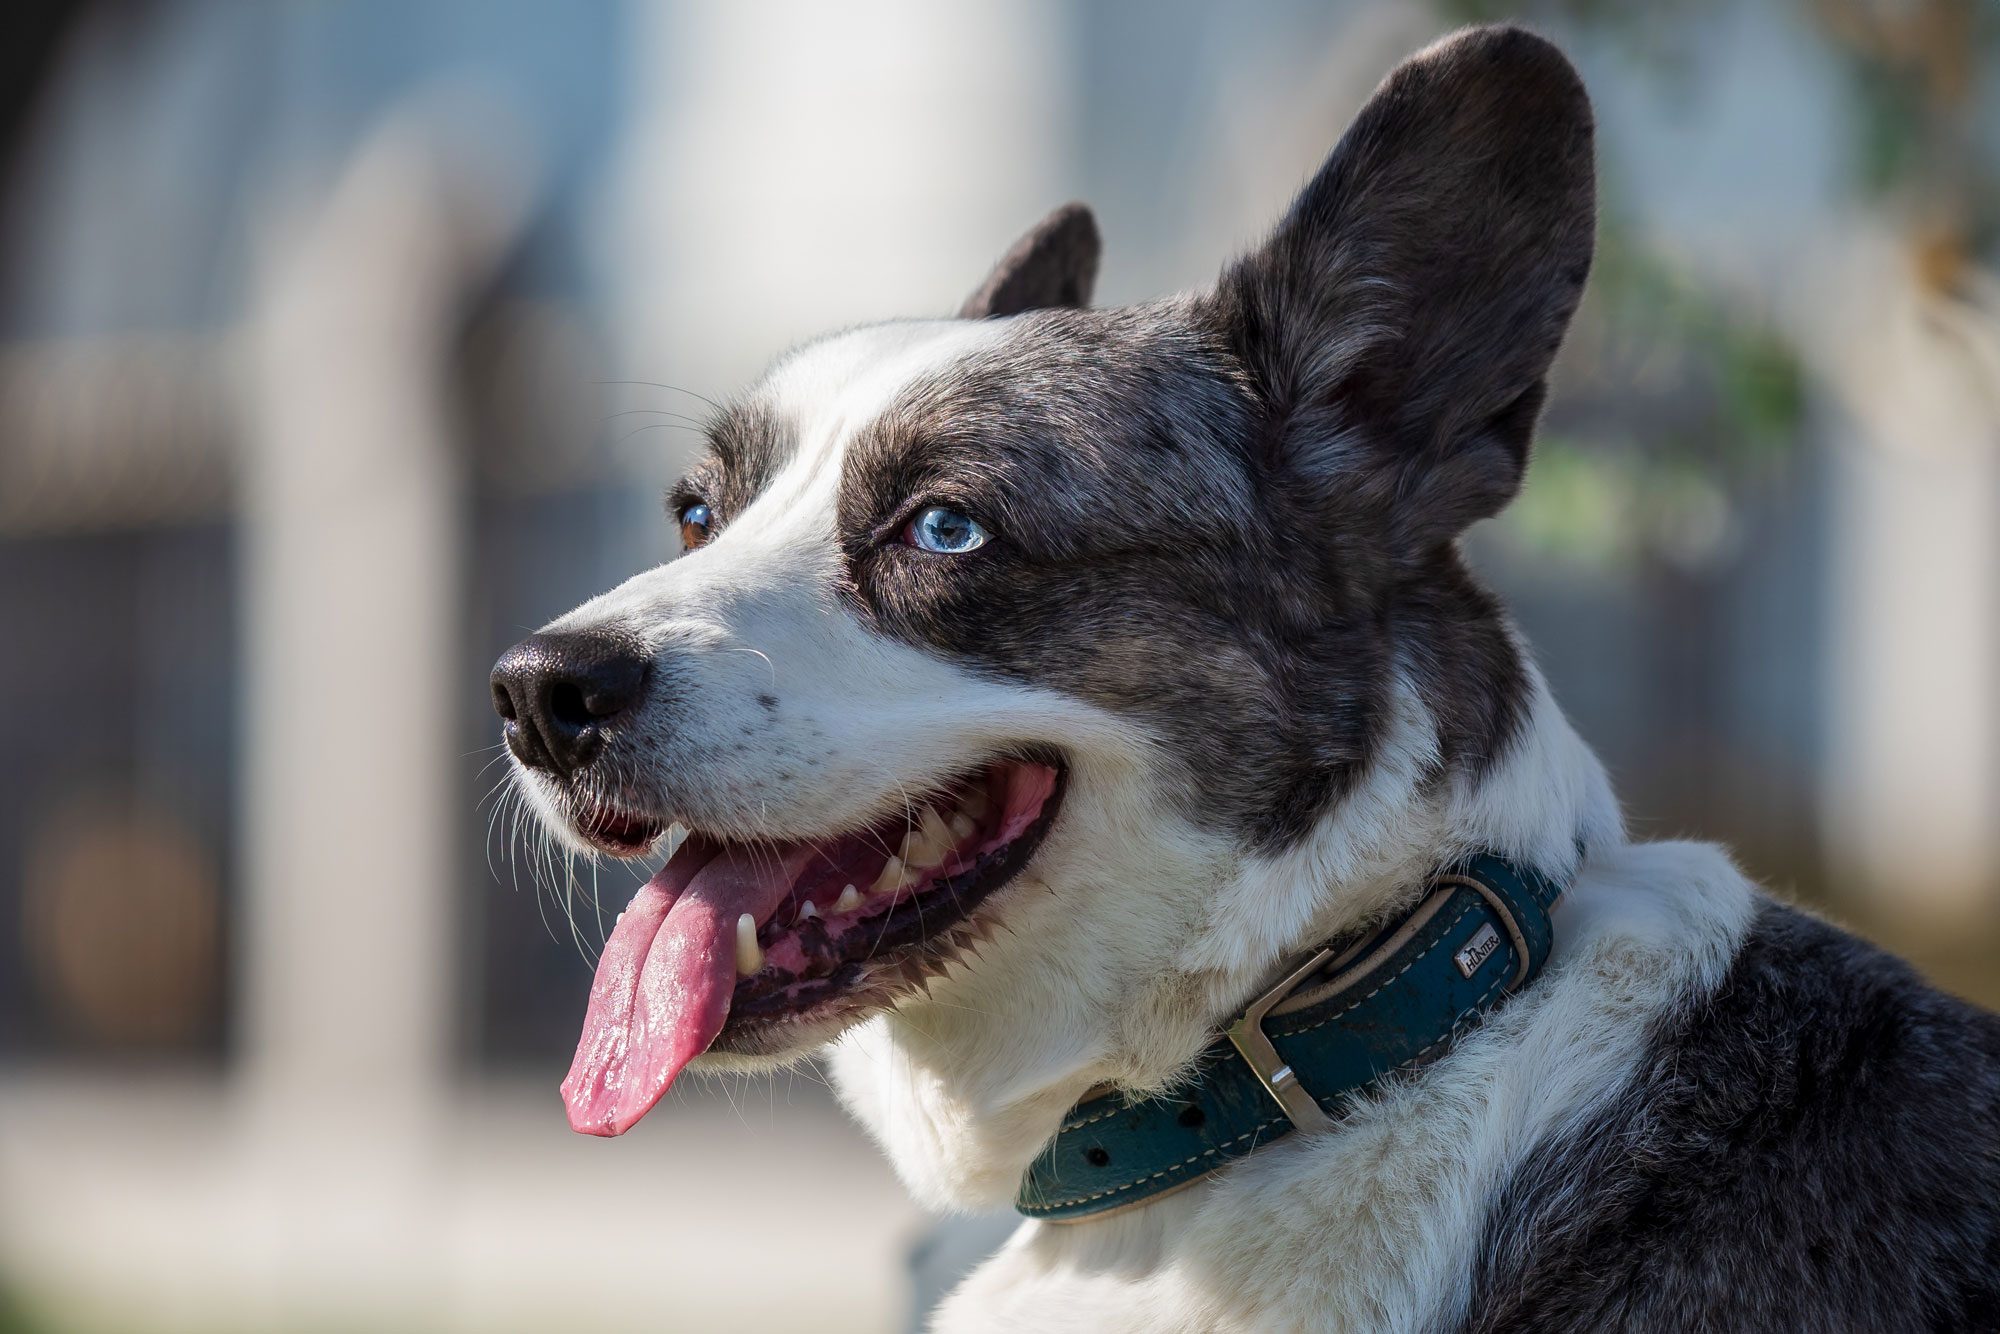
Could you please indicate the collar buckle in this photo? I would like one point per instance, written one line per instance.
(1279, 1080)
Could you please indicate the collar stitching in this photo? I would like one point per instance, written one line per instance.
(1417, 953)
(1210, 1152)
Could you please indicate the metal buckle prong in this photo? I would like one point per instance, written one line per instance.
(1248, 1037)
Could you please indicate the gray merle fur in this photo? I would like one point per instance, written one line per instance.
(747, 444)
(1815, 1146)
(1055, 264)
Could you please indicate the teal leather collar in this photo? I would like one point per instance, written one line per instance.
(1336, 1021)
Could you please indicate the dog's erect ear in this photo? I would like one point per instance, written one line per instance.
(1055, 264)
(1400, 322)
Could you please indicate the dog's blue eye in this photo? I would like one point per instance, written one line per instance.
(945, 531)
(694, 525)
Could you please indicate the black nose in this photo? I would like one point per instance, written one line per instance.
(556, 692)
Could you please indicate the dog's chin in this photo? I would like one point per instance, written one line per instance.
(824, 931)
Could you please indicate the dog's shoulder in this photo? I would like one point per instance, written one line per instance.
(1813, 1145)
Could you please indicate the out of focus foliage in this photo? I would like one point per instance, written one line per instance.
(1674, 409)
(1713, 392)
(13, 1318)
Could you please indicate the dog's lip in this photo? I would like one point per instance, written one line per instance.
(618, 832)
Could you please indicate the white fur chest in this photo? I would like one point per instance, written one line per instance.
(1374, 1228)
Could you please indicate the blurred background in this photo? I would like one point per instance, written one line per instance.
(342, 343)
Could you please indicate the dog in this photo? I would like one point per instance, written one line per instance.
(1090, 732)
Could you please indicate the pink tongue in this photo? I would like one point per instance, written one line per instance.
(665, 978)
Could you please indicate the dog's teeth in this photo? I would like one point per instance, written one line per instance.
(926, 844)
(936, 833)
(893, 876)
(921, 850)
(749, 954)
(961, 826)
(974, 803)
(807, 910)
(849, 900)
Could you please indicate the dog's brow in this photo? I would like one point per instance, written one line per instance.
(739, 431)
(747, 444)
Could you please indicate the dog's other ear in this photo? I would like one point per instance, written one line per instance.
(1400, 322)
(1055, 264)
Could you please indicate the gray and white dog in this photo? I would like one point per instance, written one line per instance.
(1039, 679)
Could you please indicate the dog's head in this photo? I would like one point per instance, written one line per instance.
(1038, 676)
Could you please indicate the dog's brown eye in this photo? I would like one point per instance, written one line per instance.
(694, 525)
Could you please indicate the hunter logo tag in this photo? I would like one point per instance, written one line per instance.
(1477, 950)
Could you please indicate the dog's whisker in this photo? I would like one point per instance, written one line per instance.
(672, 388)
(656, 412)
(597, 908)
(756, 653)
(570, 890)
(656, 426)
(493, 818)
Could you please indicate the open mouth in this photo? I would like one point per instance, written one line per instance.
(733, 939)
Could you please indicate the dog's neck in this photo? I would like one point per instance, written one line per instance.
(963, 1088)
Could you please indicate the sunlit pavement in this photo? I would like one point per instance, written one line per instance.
(154, 1204)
